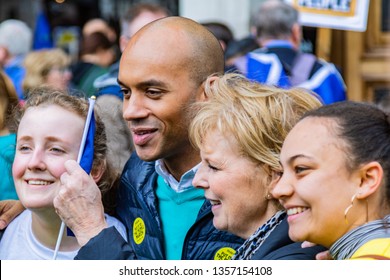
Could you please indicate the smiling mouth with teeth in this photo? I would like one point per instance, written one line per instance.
(39, 182)
(143, 132)
(296, 210)
(214, 202)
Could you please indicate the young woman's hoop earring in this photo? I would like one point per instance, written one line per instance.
(366, 211)
(349, 208)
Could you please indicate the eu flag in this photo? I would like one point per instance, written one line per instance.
(86, 148)
(42, 34)
(85, 158)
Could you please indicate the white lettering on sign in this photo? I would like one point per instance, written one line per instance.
(331, 5)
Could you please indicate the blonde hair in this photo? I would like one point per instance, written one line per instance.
(257, 116)
(39, 63)
(8, 101)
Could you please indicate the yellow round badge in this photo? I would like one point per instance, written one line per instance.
(225, 253)
(139, 230)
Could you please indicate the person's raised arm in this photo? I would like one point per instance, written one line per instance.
(79, 203)
(9, 209)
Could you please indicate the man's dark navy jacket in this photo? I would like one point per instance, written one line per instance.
(138, 210)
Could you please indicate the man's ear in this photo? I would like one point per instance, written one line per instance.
(123, 40)
(98, 171)
(371, 175)
(209, 81)
(296, 35)
(253, 31)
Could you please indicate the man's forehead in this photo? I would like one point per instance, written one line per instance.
(167, 43)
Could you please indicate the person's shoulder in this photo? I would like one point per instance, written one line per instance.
(323, 64)
(105, 80)
(374, 249)
(107, 83)
(279, 246)
(289, 251)
(108, 79)
(110, 104)
(23, 220)
(96, 70)
(294, 251)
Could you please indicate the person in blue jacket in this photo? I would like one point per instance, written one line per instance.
(162, 73)
(15, 43)
(279, 60)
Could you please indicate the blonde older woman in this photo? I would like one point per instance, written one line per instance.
(240, 132)
(48, 67)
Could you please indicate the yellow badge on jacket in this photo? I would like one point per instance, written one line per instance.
(225, 253)
(139, 230)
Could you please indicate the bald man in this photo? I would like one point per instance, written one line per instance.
(108, 91)
(136, 17)
(162, 74)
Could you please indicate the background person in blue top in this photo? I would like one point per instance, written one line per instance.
(279, 60)
(162, 74)
(15, 42)
(8, 103)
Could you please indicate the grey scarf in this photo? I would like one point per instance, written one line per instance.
(347, 245)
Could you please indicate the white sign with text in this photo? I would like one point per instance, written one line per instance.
(336, 14)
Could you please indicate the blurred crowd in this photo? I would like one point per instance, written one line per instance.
(206, 147)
